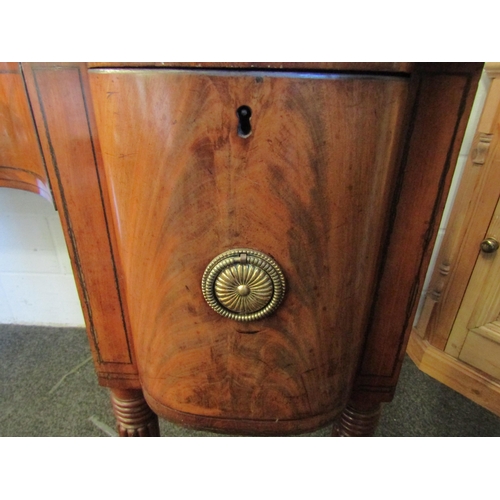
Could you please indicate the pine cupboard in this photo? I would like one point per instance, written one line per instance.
(457, 338)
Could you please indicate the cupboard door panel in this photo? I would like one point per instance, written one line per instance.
(311, 186)
(480, 305)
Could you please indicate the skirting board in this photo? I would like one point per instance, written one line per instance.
(471, 383)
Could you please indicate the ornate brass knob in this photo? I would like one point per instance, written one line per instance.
(489, 245)
(243, 284)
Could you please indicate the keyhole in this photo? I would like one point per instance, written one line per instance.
(244, 128)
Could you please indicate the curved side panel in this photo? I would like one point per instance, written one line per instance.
(59, 96)
(21, 162)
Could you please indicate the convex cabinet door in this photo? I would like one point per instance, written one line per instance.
(300, 167)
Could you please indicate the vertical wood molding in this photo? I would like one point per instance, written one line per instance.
(441, 111)
(58, 97)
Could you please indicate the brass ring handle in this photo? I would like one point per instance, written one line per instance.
(243, 284)
(489, 245)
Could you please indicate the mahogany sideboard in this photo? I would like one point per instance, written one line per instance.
(248, 240)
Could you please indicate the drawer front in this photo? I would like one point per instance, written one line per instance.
(311, 186)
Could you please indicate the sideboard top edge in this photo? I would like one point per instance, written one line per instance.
(255, 73)
(392, 67)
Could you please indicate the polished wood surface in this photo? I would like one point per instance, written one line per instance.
(21, 161)
(389, 67)
(310, 186)
(342, 182)
(439, 116)
(65, 122)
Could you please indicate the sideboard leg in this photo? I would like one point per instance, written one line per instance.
(357, 421)
(133, 416)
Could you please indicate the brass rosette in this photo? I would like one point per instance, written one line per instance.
(243, 284)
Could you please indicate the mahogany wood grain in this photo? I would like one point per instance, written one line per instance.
(65, 122)
(439, 117)
(21, 161)
(342, 181)
(310, 186)
(244, 426)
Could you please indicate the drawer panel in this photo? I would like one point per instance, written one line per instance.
(311, 186)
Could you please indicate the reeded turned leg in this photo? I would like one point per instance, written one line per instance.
(134, 418)
(357, 421)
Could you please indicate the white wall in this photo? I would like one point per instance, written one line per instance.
(36, 281)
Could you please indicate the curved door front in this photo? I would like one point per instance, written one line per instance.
(297, 167)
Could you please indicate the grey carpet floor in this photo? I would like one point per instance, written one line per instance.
(48, 388)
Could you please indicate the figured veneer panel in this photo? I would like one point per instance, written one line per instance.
(21, 162)
(311, 187)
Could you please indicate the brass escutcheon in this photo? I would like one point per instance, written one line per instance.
(243, 284)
